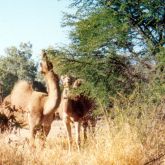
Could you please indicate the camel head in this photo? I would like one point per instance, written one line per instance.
(68, 81)
(45, 65)
(77, 83)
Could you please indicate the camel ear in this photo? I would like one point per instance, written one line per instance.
(62, 78)
(77, 83)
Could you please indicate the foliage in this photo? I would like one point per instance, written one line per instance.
(115, 44)
(104, 76)
(17, 64)
(134, 26)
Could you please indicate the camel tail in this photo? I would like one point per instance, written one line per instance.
(21, 94)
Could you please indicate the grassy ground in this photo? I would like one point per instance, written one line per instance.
(122, 147)
(135, 136)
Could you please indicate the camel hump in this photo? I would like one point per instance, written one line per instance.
(23, 85)
(20, 93)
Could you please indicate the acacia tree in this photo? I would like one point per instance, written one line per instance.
(114, 43)
(17, 64)
(135, 26)
(126, 27)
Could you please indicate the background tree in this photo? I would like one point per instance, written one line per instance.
(17, 64)
(134, 26)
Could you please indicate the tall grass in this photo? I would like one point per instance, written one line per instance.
(115, 147)
(135, 136)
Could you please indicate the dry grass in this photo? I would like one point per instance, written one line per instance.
(104, 148)
(128, 139)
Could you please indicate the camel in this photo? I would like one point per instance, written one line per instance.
(74, 110)
(39, 105)
(15, 118)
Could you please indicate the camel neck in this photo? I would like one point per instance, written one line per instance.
(52, 82)
(66, 92)
(54, 96)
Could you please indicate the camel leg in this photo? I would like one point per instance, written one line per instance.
(46, 130)
(93, 125)
(69, 133)
(33, 122)
(32, 131)
(77, 129)
(32, 134)
(85, 125)
(46, 123)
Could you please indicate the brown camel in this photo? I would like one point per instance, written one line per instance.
(40, 106)
(74, 110)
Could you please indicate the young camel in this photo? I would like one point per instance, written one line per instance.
(40, 106)
(74, 110)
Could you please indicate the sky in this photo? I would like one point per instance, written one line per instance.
(37, 21)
